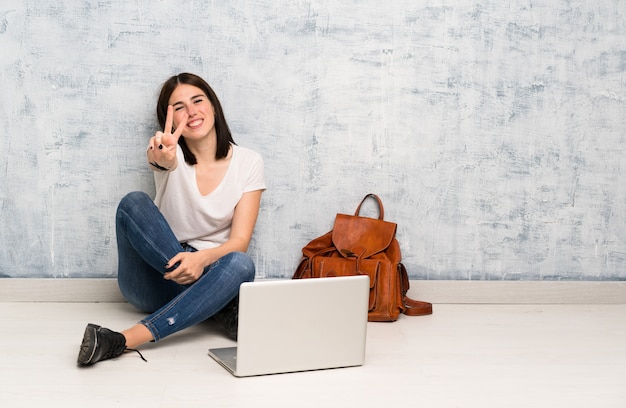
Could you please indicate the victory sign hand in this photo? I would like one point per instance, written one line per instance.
(162, 146)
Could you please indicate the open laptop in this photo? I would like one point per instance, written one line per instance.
(294, 325)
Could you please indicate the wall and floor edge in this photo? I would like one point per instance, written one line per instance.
(434, 291)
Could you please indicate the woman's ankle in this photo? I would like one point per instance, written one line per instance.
(137, 335)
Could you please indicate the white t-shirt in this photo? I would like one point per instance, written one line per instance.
(205, 221)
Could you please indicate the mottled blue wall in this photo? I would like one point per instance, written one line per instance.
(493, 131)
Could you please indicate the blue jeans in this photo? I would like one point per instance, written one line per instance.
(145, 244)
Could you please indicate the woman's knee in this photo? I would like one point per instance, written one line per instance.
(133, 200)
(243, 265)
(132, 205)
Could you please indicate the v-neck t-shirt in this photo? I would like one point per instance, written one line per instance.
(204, 221)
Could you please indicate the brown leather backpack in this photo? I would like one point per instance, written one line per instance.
(364, 246)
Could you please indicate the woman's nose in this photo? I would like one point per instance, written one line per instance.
(191, 110)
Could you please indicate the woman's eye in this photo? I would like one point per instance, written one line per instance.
(197, 101)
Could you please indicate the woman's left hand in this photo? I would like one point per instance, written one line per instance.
(190, 268)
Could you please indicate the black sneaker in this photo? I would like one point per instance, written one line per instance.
(100, 344)
(228, 318)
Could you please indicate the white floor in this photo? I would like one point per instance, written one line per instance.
(461, 356)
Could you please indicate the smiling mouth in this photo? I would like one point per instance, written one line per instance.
(194, 123)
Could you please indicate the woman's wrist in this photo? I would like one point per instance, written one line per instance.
(159, 167)
(162, 164)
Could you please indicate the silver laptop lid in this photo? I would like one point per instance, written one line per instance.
(301, 324)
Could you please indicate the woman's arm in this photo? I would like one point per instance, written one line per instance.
(192, 263)
(244, 219)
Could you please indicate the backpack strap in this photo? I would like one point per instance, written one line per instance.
(412, 307)
(381, 210)
(417, 307)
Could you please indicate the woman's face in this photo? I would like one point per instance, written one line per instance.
(193, 110)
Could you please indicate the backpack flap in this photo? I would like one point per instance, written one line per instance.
(361, 237)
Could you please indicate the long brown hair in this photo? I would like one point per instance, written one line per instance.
(224, 137)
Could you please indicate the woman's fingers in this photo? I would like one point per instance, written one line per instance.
(169, 138)
(162, 146)
(158, 137)
(186, 272)
(179, 131)
(169, 119)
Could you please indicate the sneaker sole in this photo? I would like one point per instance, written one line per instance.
(88, 346)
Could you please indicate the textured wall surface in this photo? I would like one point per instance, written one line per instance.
(493, 131)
